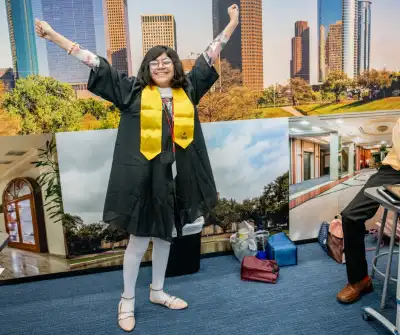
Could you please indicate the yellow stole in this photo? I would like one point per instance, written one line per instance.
(151, 115)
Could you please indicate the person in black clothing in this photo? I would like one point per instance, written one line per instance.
(161, 175)
(354, 216)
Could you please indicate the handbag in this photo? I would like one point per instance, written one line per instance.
(323, 236)
(335, 242)
(254, 269)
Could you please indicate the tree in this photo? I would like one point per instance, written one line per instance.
(226, 213)
(299, 90)
(111, 121)
(337, 82)
(276, 194)
(89, 122)
(239, 103)
(44, 105)
(96, 108)
(229, 77)
(375, 79)
(273, 95)
(9, 124)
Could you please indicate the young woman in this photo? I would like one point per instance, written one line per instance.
(161, 175)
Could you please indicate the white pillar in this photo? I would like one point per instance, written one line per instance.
(334, 160)
(351, 159)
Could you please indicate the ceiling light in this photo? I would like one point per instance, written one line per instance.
(295, 130)
(316, 128)
(339, 121)
(304, 122)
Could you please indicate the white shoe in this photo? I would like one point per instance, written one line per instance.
(126, 319)
(169, 301)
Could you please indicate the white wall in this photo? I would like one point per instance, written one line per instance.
(54, 231)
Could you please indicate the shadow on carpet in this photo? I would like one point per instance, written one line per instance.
(302, 302)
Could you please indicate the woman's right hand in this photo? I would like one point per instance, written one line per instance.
(44, 30)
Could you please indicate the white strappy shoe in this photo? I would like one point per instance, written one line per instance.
(126, 319)
(171, 302)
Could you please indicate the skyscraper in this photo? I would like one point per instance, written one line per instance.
(22, 37)
(245, 48)
(117, 35)
(300, 63)
(364, 35)
(232, 52)
(158, 30)
(350, 37)
(344, 15)
(74, 19)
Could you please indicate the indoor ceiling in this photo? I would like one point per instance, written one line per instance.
(365, 129)
(17, 152)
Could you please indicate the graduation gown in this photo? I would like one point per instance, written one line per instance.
(142, 197)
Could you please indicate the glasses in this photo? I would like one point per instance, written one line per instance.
(155, 64)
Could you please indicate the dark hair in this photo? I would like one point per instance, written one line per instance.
(144, 76)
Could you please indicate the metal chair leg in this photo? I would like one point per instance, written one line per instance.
(389, 263)
(380, 236)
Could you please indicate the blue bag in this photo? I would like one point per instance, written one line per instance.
(323, 236)
(281, 249)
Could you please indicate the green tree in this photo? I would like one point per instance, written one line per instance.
(337, 83)
(44, 105)
(95, 107)
(299, 90)
(9, 124)
(111, 121)
(276, 194)
(273, 95)
(375, 79)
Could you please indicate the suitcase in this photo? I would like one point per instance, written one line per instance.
(281, 249)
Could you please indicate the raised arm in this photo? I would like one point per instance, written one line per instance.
(104, 80)
(44, 30)
(203, 75)
(214, 49)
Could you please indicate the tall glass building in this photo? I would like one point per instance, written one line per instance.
(74, 19)
(350, 37)
(22, 37)
(364, 35)
(329, 37)
(79, 20)
(342, 38)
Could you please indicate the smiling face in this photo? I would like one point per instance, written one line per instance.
(162, 70)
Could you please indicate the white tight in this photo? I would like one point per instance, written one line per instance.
(134, 253)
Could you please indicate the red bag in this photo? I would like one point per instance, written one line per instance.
(254, 269)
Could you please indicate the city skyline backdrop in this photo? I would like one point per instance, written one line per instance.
(384, 44)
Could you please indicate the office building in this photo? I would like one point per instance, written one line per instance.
(300, 63)
(22, 37)
(158, 30)
(353, 18)
(364, 35)
(245, 48)
(76, 20)
(117, 35)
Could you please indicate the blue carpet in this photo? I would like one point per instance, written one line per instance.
(302, 302)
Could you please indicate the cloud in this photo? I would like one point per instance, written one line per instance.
(245, 156)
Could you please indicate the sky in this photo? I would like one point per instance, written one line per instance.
(245, 157)
(194, 32)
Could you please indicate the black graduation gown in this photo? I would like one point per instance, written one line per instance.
(142, 197)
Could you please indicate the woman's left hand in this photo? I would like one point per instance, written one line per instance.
(233, 12)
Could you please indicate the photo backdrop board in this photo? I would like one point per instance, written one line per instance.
(250, 162)
(332, 157)
(36, 242)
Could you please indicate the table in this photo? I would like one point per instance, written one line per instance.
(370, 313)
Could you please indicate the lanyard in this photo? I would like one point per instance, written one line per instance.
(171, 124)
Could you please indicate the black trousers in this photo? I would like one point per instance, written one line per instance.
(361, 209)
